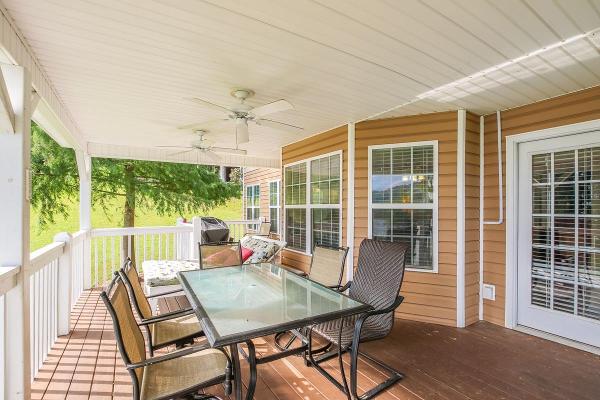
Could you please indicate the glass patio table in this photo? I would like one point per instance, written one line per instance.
(237, 304)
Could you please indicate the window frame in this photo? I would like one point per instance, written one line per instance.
(246, 206)
(308, 206)
(410, 206)
(278, 206)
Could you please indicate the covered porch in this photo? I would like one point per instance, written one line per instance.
(442, 124)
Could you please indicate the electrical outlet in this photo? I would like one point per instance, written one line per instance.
(489, 292)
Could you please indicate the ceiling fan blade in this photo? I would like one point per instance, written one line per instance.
(181, 152)
(175, 147)
(213, 123)
(211, 155)
(241, 130)
(211, 105)
(228, 150)
(271, 108)
(278, 125)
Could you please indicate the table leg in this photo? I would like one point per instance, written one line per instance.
(252, 365)
(237, 379)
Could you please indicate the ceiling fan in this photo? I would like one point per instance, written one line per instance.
(204, 145)
(241, 114)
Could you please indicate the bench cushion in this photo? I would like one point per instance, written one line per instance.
(164, 273)
(263, 248)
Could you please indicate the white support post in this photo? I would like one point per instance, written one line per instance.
(15, 196)
(196, 235)
(84, 168)
(350, 202)
(460, 219)
(65, 268)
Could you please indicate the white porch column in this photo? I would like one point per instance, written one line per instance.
(84, 168)
(197, 226)
(14, 232)
(350, 203)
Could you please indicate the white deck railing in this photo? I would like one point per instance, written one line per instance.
(110, 247)
(43, 304)
(59, 272)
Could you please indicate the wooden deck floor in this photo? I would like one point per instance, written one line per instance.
(481, 362)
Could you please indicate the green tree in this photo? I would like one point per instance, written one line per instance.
(167, 188)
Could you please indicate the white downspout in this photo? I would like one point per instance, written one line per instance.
(500, 219)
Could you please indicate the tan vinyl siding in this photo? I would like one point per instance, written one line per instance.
(564, 110)
(472, 219)
(327, 142)
(262, 177)
(429, 297)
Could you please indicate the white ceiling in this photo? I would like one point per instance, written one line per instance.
(124, 68)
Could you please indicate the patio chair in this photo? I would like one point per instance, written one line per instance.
(263, 230)
(327, 268)
(174, 328)
(179, 374)
(221, 254)
(377, 282)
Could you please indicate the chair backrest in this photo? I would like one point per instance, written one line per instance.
(136, 292)
(378, 278)
(327, 265)
(264, 229)
(130, 340)
(222, 254)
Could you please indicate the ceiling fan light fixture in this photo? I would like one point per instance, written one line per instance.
(241, 130)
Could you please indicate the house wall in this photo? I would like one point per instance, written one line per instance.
(564, 110)
(429, 297)
(327, 142)
(262, 177)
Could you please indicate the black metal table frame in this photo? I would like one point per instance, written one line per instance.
(234, 341)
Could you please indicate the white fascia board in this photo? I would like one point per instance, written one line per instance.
(194, 157)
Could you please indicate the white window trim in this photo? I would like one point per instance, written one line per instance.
(278, 206)
(246, 206)
(433, 206)
(308, 206)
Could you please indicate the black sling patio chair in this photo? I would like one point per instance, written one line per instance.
(180, 374)
(377, 282)
(327, 267)
(174, 328)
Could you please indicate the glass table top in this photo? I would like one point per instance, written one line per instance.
(235, 304)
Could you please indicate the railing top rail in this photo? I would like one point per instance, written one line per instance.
(140, 230)
(45, 255)
(8, 278)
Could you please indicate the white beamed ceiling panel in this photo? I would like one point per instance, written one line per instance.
(124, 69)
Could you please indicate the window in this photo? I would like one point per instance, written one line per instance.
(403, 199)
(253, 202)
(274, 206)
(313, 202)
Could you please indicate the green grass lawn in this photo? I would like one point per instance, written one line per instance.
(41, 237)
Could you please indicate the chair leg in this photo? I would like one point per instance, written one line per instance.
(395, 375)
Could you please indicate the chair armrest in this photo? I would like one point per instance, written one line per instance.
(167, 316)
(342, 289)
(164, 293)
(170, 356)
(386, 310)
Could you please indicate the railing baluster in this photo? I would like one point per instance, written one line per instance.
(95, 280)
(103, 261)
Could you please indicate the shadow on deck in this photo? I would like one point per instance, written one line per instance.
(483, 361)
